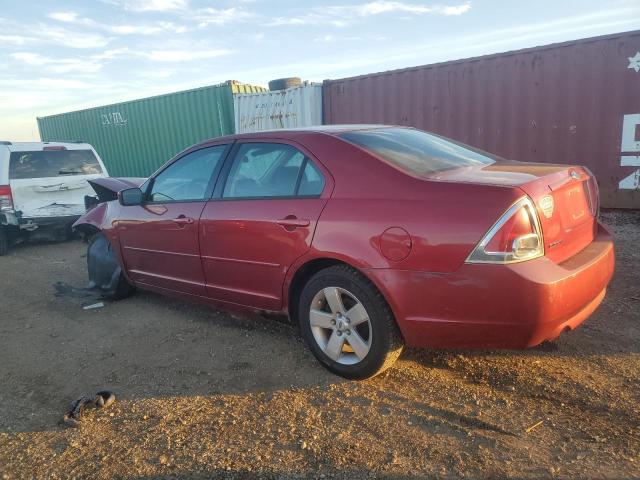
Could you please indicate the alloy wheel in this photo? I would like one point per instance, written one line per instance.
(340, 325)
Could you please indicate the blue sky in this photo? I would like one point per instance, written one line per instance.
(64, 55)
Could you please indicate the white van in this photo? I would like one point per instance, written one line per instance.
(42, 188)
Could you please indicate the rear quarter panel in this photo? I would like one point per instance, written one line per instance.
(444, 220)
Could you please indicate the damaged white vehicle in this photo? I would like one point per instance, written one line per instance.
(43, 188)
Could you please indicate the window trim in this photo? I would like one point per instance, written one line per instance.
(213, 180)
(224, 174)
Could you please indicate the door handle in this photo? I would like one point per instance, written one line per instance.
(291, 222)
(183, 220)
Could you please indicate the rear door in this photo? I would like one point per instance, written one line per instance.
(261, 219)
(159, 239)
(51, 181)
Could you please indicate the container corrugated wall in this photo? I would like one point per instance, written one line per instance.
(294, 107)
(135, 138)
(576, 103)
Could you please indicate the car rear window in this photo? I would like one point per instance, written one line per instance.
(418, 152)
(52, 163)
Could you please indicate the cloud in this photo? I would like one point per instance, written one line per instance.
(343, 15)
(335, 38)
(13, 33)
(457, 10)
(123, 29)
(16, 39)
(184, 55)
(64, 16)
(212, 16)
(57, 65)
(150, 5)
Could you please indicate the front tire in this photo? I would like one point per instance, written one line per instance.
(347, 323)
(4, 241)
(104, 270)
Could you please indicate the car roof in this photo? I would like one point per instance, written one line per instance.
(293, 133)
(38, 146)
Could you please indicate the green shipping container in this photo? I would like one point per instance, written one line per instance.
(135, 138)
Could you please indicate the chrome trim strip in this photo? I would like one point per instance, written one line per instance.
(236, 260)
(148, 250)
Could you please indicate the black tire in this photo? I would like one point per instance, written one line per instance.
(386, 342)
(104, 270)
(284, 83)
(4, 241)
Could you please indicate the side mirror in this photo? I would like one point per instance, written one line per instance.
(130, 197)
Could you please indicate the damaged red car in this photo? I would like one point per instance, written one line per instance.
(370, 237)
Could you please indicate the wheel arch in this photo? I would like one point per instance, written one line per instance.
(307, 269)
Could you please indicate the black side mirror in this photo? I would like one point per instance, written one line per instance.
(130, 197)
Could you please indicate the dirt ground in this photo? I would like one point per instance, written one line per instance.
(206, 394)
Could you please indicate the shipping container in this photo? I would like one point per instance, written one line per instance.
(574, 103)
(135, 138)
(294, 107)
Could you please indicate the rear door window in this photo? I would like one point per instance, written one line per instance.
(417, 152)
(271, 170)
(52, 163)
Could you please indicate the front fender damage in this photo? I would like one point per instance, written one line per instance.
(92, 221)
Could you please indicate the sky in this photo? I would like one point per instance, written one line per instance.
(64, 55)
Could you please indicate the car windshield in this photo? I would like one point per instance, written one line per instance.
(52, 163)
(418, 152)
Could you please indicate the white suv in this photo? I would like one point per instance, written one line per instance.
(42, 188)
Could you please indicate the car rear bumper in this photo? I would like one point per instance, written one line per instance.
(499, 306)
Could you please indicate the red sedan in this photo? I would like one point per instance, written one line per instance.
(370, 237)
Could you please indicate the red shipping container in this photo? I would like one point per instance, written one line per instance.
(575, 103)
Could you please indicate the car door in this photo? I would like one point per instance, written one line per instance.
(261, 219)
(159, 239)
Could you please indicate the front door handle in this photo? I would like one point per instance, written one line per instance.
(291, 222)
(183, 220)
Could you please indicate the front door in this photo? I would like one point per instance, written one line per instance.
(159, 238)
(261, 220)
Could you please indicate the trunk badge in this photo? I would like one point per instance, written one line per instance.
(546, 205)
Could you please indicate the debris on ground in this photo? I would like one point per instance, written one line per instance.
(102, 399)
(94, 306)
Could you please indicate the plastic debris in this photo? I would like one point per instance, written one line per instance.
(93, 306)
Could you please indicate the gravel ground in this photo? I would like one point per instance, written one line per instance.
(206, 394)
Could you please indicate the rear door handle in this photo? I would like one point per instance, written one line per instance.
(183, 220)
(291, 222)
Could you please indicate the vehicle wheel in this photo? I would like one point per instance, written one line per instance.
(4, 241)
(104, 270)
(347, 323)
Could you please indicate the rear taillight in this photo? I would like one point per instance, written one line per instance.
(515, 237)
(593, 194)
(6, 199)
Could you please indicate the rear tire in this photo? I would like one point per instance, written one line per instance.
(347, 323)
(4, 241)
(104, 270)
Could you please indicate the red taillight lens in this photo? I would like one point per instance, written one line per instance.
(6, 199)
(518, 225)
(515, 237)
(55, 148)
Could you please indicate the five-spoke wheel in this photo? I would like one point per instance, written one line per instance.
(347, 324)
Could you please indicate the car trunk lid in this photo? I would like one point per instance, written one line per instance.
(572, 192)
